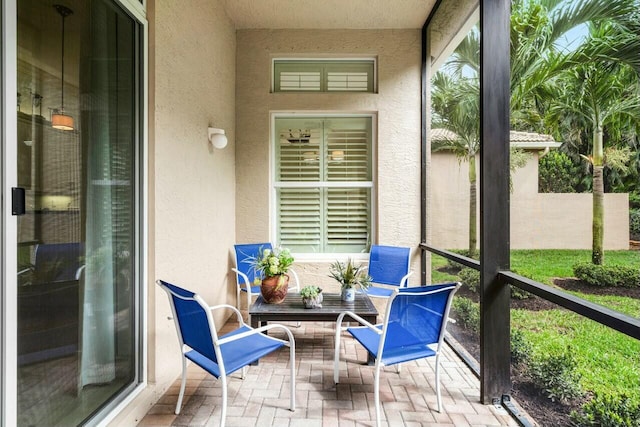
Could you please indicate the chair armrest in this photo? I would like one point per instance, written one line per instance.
(234, 309)
(80, 271)
(359, 319)
(243, 276)
(26, 270)
(405, 280)
(259, 331)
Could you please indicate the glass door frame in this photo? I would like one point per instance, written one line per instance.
(8, 224)
(9, 179)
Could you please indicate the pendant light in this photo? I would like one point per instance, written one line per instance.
(60, 120)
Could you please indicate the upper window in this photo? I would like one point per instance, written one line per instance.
(323, 75)
(323, 183)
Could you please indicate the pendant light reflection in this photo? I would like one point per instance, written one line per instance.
(60, 120)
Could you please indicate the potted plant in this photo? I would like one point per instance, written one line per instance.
(311, 296)
(350, 277)
(273, 266)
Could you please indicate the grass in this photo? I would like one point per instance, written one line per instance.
(545, 265)
(608, 361)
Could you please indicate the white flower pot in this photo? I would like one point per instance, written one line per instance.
(348, 294)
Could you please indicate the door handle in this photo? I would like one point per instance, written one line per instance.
(17, 201)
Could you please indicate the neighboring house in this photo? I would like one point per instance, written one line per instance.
(538, 220)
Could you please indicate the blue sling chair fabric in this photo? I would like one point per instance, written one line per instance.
(413, 328)
(390, 266)
(219, 356)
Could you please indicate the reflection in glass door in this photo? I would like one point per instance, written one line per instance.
(76, 159)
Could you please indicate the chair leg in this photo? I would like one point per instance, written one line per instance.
(336, 357)
(438, 397)
(182, 385)
(292, 362)
(223, 416)
(376, 393)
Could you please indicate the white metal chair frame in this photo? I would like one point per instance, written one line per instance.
(382, 332)
(218, 342)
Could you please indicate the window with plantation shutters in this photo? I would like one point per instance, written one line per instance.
(323, 183)
(323, 75)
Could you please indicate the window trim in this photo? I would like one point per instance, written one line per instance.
(273, 185)
(373, 59)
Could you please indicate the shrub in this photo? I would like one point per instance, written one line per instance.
(517, 293)
(634, 223)
(557, 173)
(470, 278)
(467, 313)
(556, 376)
(520, 347)
(454, 266)
(634, 200)
(607, 275)
(608, 411)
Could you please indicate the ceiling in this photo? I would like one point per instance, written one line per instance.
(328, 14)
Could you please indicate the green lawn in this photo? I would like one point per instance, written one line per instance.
(608, 361)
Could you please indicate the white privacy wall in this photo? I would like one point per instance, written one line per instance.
(397, 105)
(538, 220)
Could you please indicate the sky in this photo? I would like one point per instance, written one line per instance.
(574, 36)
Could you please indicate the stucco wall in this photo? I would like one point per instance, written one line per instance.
(192, 197)
(538, 221)
(397, 105)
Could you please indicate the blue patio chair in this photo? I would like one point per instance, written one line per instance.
(388, 266)
(413, 328)
(245, 273)
(220, 356)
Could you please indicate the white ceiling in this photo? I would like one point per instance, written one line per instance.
(328, 14)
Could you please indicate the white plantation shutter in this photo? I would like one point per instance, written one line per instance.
(324, 184)
(345, 81)
(347, 219)
(298, 154)
(323, 75)
(300, 219)
(300, 81)
(348, 155)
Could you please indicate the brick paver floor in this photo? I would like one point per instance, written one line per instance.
(262, 398)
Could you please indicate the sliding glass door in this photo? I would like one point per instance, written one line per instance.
(77, 144)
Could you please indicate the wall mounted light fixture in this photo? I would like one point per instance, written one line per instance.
(217, 138)
(60, 120)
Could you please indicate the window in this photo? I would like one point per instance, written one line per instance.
(321, 75)
(323, 183)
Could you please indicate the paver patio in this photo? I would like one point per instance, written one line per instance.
(408, 398)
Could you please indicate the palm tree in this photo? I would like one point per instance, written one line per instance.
(602, 92)
(455, 103)
(537, 27)
(537, 31)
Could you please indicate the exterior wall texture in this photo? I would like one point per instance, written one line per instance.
(192, 196)
(538, 220)
(397, 105)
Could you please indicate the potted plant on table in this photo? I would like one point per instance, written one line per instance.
(311, 296)
(273, 266)
(350, 277)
